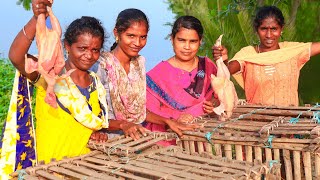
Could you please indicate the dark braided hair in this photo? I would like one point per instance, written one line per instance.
(188, 22)
(126, 18)
(85, 24)
(268, 12)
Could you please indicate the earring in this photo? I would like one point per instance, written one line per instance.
(117, 39)
(67, 54)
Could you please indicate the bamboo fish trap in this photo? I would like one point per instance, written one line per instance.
(289, 135)
(165, 163)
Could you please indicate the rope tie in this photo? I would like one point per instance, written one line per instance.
(271, 162)
(316, 117)
(268, 144)
(21, 174)
(209, 134)
(296, 119)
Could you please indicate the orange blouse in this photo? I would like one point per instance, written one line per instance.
(274, 83)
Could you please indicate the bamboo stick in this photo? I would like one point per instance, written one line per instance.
(208, 148)
(200, 147)
(192, 147)
(258, 153)
(217, 149)
(239, 153)
(268, 153)
(287, 164)
(186, 145)
(249, 153)
(317, 165)
(307, 165)
(228, 148)
(296, 165)
(276, 156)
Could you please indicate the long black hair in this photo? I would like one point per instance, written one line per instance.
(126, 18)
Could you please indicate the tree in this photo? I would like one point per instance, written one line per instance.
(233, 18)
(25, 3)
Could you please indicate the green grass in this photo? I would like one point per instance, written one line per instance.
(6, 81)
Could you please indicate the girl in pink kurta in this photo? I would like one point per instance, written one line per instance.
(179, 88)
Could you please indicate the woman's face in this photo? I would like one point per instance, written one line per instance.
(269, 33)
(85, 51)
(133, 39)
(186, 44)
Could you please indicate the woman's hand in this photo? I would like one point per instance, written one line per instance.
(208, 106)
(185, 118)
(40, 6)
(178, 127)
(133, 130)
(99, 136)
(219, 51)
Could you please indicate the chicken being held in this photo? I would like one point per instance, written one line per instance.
(223, 88)
(50, 60)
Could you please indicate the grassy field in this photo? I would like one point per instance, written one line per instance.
(6, 80)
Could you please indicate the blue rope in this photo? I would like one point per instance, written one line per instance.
(316, 116)
(296, 119)
(21, 174)
(208, 135)
(268, 144)
(271, 162)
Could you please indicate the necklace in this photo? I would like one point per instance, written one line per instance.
(185, 69)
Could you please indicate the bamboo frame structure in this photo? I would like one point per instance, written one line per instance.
(164, 163)
(264, 133)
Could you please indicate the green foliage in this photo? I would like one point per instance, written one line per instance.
(25, 3)
(233, 18)
(6, 80)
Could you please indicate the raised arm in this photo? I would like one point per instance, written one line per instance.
(221, 51)
(315, 48)
(22, 42)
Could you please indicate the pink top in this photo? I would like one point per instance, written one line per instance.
(172, 91)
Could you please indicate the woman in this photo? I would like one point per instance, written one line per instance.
(269, 71)
(64, 131)
(183, 89)
(122, 71)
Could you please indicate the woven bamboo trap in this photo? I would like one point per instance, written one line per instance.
(289, 135)
(165, 163)
(127, 147)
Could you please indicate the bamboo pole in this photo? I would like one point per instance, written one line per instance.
(268, 153)
(239, 153)
(200, 147)
(217, 149)
(307, 165)
(287, 164)
(208, 148)
(258, 153)
(296, 165)
(276, 156)
(192, 147)
(228, 148)
(317, 165)
(249, 153)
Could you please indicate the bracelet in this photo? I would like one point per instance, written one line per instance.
(25, 34)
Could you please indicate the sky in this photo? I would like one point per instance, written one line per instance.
(158, 48)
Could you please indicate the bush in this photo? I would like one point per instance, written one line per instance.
(7, 72)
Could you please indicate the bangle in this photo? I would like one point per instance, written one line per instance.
(25, 34)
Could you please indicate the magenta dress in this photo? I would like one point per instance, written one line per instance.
(172, 91)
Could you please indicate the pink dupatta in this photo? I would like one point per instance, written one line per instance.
(167, 98)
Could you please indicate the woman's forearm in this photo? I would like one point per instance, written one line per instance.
(20, 47)
(156, 119)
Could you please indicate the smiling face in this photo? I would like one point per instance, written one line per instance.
(84, 52)
(269, 33)
(186, 43)
(132, 40)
